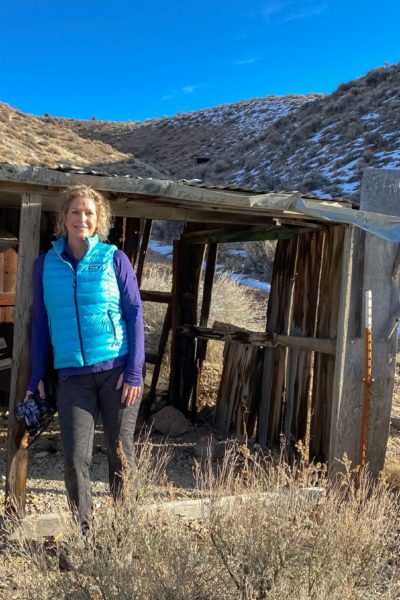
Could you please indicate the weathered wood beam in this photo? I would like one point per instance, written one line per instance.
(155, 296)
(55, 525)
(49, 178)
(275, 232)
(187, 264)
(17, 460)
(256, 338)
(143, 250)
(149, 208)
(131, 234)
(204, 314)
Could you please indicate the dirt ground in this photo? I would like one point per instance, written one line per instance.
(45, 487)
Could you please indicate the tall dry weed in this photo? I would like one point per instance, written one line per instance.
(273, 540)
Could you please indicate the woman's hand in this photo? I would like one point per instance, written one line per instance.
(130, 393)
(41, 390)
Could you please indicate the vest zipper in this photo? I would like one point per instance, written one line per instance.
(78, 320)
(112, 325)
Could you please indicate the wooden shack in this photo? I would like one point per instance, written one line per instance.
(307, 369)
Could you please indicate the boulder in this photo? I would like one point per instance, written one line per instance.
(170, 421)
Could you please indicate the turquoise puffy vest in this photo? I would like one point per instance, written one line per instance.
(83, 308)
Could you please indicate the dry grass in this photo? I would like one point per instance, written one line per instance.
(26, 139)
(231, 303)
(345, 545)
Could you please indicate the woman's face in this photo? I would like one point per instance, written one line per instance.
(81, 219)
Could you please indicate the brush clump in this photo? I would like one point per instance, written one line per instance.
(266, 530)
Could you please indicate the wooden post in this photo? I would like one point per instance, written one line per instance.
(143, 250)
(204, 313)
(380, 192)
(29, 237)
(132, 238)
(188, 260)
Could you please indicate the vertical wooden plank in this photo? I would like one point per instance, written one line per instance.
(188, 260)
(348, 363)
(204, 314)
(29, 237)
(116, 235)
(132, 233)
(175, 320)
(239, 391)
(327, 324)
(143, 250)
(280, 307)
(305, 303)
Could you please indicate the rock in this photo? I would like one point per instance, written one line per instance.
(208, 447)
(396, 423)
(170, 421)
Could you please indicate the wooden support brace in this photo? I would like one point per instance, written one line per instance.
(256, 338)
(17, 463)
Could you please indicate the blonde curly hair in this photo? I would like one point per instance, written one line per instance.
(103, 210)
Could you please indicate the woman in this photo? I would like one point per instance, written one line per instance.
(86, 302)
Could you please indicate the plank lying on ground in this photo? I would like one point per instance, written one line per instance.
(53, 525)
(256, 338)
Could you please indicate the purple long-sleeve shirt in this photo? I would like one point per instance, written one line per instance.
(131, 311)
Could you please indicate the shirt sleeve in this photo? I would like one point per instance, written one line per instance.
(40, 333)
(132, 313)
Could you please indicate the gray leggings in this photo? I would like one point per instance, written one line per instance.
(80, 400)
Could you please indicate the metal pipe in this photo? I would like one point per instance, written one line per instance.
(368, 381)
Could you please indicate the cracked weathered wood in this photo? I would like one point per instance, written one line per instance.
(28, 247)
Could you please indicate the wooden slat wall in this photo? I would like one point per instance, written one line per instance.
(327, 320)
(9, 219)
(305, 302)
(274, 363)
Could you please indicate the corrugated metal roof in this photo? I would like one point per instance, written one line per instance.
(192, 196)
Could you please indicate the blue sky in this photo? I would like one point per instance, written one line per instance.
(122, 59)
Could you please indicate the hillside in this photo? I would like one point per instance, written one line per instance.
(314, 143)
(26, 139)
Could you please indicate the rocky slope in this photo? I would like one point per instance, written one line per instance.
(314, 143)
